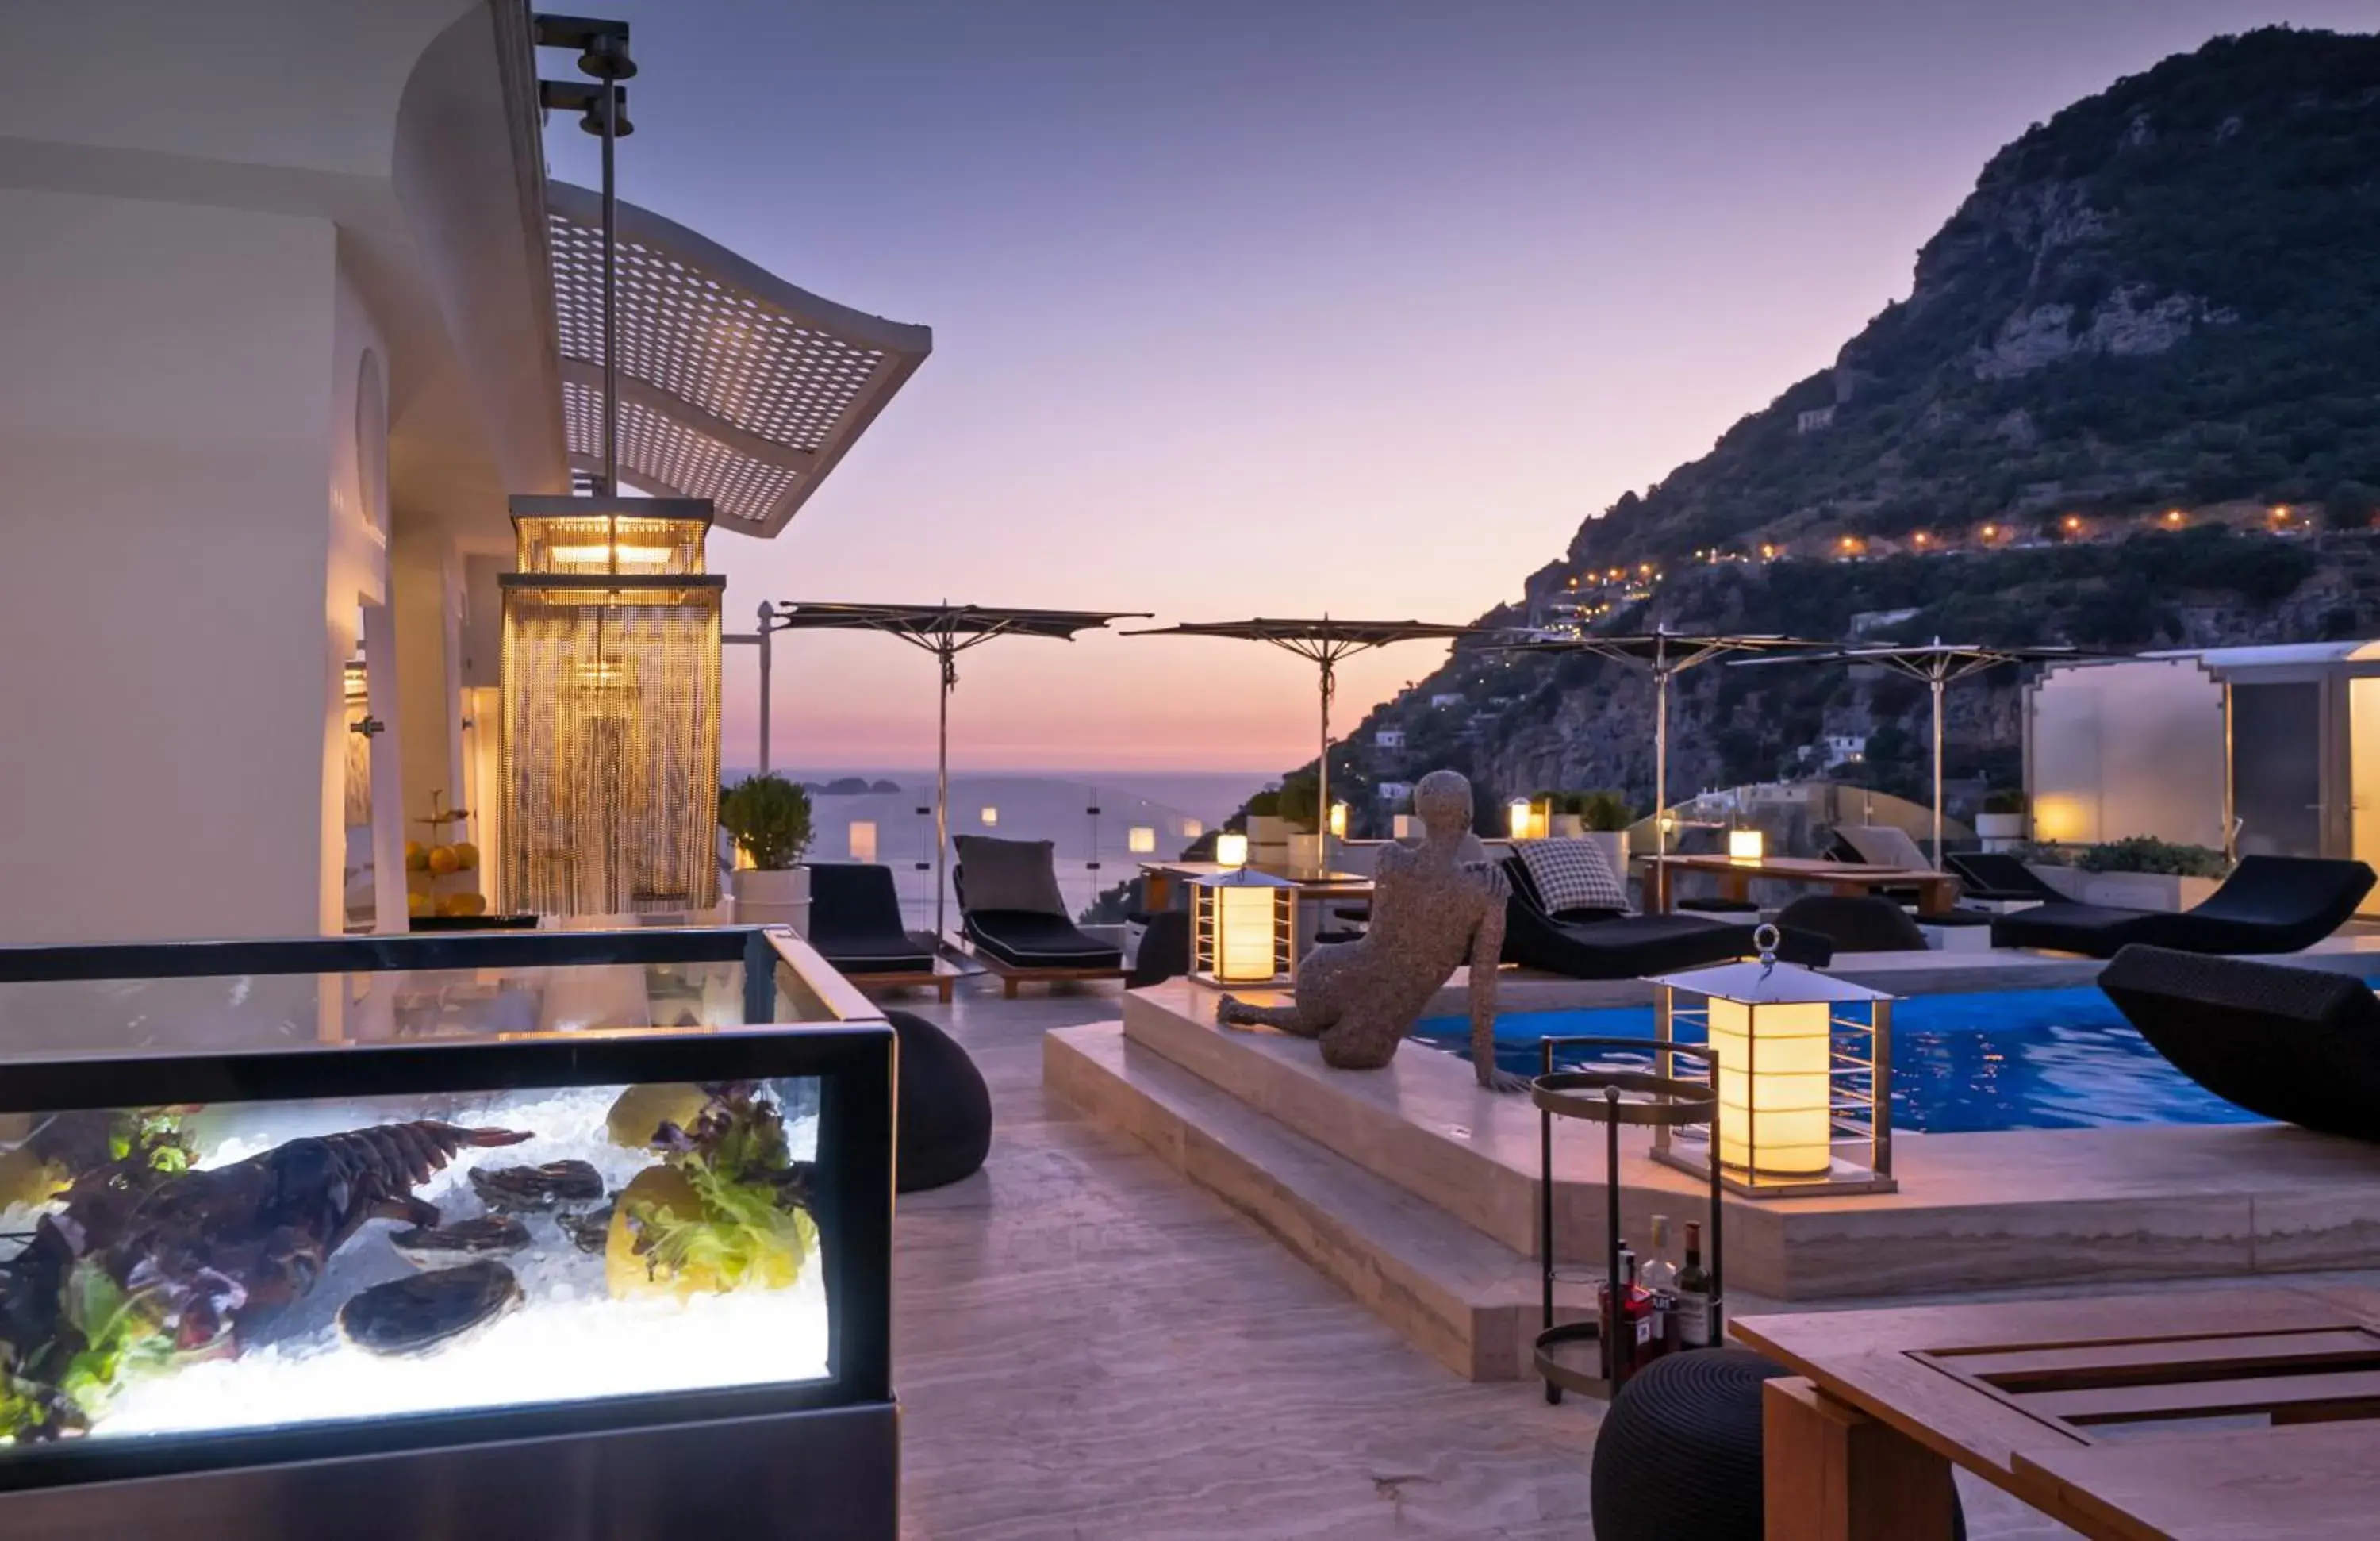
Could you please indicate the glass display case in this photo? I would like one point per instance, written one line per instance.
(477, 1252)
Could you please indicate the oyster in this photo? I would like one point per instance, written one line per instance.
(588, 1230)
(488, 1236)
(414, 1316)
(538, 1187)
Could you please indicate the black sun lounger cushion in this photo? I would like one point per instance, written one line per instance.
(1629, 946)
(1024, 940)
(2299, 1045)
(2268, 904)
(856, 921)
(1012, 874)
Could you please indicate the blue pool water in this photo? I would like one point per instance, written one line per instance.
(2036, 1058)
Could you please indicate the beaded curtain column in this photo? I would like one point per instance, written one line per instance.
(611, 670)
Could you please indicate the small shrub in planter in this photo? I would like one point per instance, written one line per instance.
(769, 817)
(1605, 810)
(2148, 853)
(2004, 800)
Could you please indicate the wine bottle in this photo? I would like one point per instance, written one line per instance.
(1659, 1276)
(1694, 1293)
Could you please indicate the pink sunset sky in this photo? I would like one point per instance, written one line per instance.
(1242, 308)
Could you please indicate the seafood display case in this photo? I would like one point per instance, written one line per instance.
(478, 1262)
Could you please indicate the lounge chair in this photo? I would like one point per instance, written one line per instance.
(2298, 1045)
(1882, 845)
(1164, 950)
(2268, 904)
(1609, 944)
(1994, 877)
(1854, 923)
(1015, 921)
(855, 925)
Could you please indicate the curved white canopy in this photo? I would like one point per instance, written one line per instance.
(734, 385)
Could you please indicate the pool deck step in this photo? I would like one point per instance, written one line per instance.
(1971, 1211)
(1455, 1294)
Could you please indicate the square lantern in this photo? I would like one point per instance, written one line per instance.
(1243, 927)
(610, 708)
(1802, 1065)
(1230, 849)
(1338, 820)
(863, 840)
(1141, 839)
(1518, 820)
(1745, 845)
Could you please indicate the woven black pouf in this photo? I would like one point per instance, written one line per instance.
(945, 1109)
(1677, 1457)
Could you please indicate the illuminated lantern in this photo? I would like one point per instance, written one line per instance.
(1243, 927)
(1803, 1064)
(1232, 849)
(1141, 839)
(991, 818)
(610, 708)
(1338, 820)
(1745, 845)
(1517, 822)
(863, 840)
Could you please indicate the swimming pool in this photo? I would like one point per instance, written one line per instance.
(2034, 1059)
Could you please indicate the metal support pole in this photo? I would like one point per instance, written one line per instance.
(1939, 683)
(611, 306)
(768, 615)
(1662, 762)
(1322, 765)
(948, 656)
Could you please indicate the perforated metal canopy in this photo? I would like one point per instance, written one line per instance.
(734, 385)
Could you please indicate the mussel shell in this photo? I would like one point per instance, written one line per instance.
(487, 1236)
(429, 1310)
(588, 1230)
(538, 1187)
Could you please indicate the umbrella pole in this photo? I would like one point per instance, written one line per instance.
(1322, 772)
(1661, 762)
(942, 793)
(1938, 681)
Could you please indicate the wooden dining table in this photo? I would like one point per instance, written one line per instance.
(1936, 890)
(2213, 1416)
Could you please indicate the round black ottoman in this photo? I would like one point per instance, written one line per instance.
(945, 1108)
(1677, 1457)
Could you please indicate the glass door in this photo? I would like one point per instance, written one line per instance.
(2276, 768)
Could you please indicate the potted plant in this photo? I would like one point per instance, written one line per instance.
(1564, 814)
(1301, 812)
(1606, 816)
(2142, 872)
(2002, 818)
(769, 818)
(1267, 831)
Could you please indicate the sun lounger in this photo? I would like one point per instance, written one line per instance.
(1015, 922)
(1854, 923)
(2298, 1045)
(855, 925)
(1606, 944)
(1996, 878)
(2268, 904)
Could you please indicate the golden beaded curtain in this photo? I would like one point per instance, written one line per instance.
(611, 696)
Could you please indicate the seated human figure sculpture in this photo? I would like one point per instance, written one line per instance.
(1432, 911)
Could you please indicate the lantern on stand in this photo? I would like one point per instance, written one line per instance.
(1243, 927)
(1745, 844)
(1802, 1064)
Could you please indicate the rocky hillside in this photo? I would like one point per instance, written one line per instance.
(2133, 400)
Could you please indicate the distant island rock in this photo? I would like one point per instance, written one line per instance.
(850, 787)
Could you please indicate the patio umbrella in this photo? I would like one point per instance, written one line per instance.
(1325, 642)
(1663, 654)
(945, 630)
(1938, 663)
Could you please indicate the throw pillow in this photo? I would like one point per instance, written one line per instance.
(1572, 875)
(1009, 875)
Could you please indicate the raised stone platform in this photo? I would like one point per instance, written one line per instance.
(1975, 1211)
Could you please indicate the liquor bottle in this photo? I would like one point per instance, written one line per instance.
(1694, 1293)
(1659, 1276)
(1640, 1317)
(1614, 1334)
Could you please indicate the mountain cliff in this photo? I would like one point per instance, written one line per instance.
(2133, 400)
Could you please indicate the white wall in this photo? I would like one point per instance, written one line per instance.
(2136, 747)
(174, 606)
